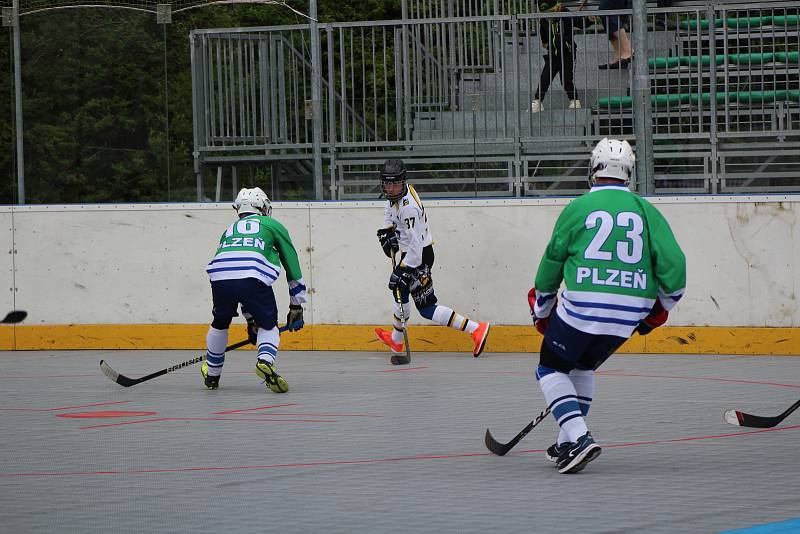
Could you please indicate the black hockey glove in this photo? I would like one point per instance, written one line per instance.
(657, 316)
(388, 239)
(401, 278)
(295, 315)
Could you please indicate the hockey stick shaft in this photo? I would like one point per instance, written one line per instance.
(735, 417)
(125, 381)
(399, 298)
(501, 449)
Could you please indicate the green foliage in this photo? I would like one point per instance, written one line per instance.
(107, 98)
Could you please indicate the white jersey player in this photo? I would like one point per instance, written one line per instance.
(406, 230)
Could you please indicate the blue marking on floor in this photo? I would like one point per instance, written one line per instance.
(792, 526)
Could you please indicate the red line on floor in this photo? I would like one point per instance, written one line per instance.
(254, 409)
(103, 414)
(88, 405)
(314, 414)
(324, 463)
(61, 407)
(403, 369)
(237, 419)
(704, 378)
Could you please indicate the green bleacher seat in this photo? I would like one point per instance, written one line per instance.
(741, 97)
(743, 22)
(738, 59)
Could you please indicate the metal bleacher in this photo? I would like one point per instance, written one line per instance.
(448, 89)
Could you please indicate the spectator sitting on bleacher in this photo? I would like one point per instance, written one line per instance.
(557, 39)
(617, 35)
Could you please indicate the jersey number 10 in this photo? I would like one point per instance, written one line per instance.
(245, 227)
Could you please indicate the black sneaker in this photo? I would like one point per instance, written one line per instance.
(555, 450)
(211, 382)
(578, 455)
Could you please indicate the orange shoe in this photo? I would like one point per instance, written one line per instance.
(386, 337)
(479, 337)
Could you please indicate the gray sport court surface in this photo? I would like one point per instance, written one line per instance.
(360, 446)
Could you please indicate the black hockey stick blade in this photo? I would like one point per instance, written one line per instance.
(501, 449)
(127, 382)
(735, 417)
(14, 317)
(400, 359)
(403, 359)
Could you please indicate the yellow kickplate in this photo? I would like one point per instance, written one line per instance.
(665, 340)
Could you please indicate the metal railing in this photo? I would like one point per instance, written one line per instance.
(451, 95)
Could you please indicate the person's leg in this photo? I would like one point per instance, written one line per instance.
(427, 305)
(568, 77)
(259, 300)
(546, 77)
(560, 394)
(613, 24)
(268, 342)
(625, 48)
(562, 348)
(394, 338)
(224, 310)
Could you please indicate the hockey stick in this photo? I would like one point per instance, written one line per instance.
(735, 417)
(16, 316)
(399, 359)
(127, 382)
(500, 449)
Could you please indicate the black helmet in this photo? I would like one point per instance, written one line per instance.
(393, 172)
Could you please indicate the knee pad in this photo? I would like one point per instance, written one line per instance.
(220, 323)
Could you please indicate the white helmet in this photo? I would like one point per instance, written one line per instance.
(611, 158)
(252, 201)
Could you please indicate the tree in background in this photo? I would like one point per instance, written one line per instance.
(95, 98)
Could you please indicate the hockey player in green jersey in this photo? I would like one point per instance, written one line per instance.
(406, 230)
(623, 271)
(248, 260)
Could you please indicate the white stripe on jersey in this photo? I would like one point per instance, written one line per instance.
(241, 264)
(669, 300)
(603, 313)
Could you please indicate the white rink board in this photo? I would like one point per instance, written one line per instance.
(7, 289)
(144, 264)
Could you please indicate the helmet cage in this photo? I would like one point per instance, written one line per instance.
(394, 172)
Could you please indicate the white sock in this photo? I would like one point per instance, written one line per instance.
(584, 383)
(216, 341)
(444, 316)
(397, 332)
(268, 341)
(561, 398)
